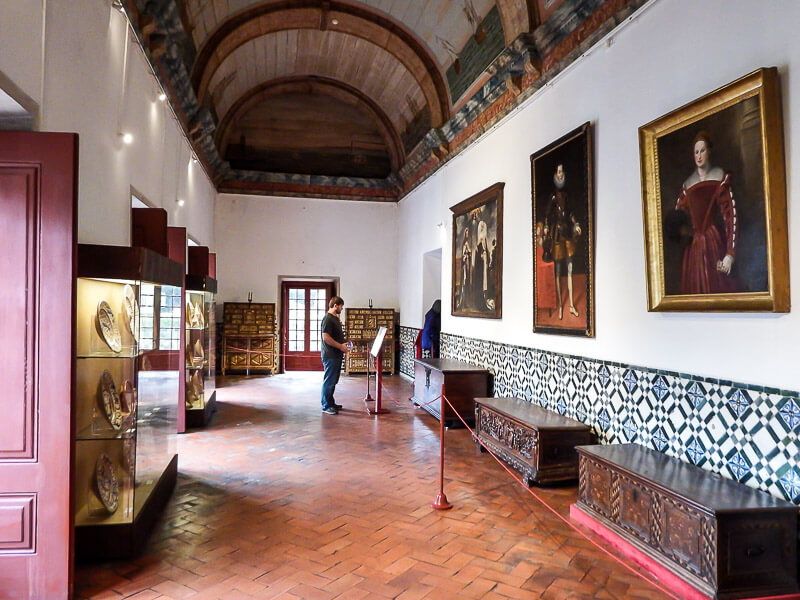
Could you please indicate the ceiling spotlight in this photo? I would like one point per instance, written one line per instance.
(181, 202)
(334, 21)
(127, 138)
(118, 5)
(194, 159)
(162, 96)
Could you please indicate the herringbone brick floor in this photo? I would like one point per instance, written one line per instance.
(276, 500)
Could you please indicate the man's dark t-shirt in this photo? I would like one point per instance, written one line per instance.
(333, 327)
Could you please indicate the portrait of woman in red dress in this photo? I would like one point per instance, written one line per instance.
(717, 239)
(707, 199)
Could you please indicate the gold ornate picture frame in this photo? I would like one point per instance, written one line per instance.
(714, 201)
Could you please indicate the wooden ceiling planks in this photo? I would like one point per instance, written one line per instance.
(426, 18)
(243, 29)
(311, 87)
(349, 59)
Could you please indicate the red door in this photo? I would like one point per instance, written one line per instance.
(38, 180)
(304, 305)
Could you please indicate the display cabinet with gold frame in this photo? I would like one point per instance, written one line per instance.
(250, 338)
(127, 383)
(361, 325)
(201, 353)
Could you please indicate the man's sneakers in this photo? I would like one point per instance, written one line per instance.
(330, 410)
(337, 406)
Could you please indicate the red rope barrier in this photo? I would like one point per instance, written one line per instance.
(538, 498)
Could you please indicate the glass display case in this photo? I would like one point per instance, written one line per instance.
(201, 353)
(126, 391)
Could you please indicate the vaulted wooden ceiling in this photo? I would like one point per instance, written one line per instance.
(338, 98)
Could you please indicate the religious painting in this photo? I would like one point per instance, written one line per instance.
(714, 200)
(478, 255)
(562, 198)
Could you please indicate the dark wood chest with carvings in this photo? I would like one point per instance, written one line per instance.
(462, 381)
(538, 443)
(724, 538)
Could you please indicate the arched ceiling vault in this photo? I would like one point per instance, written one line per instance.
(353, 98)
(313, 85)
(356, 21)
(359, 64)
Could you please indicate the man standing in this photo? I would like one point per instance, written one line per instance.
(333, 349)
(561, 233)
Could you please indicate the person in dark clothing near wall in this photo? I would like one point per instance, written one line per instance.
(431, 329)
(333, 350)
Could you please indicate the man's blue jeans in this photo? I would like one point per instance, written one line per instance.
(333, 368)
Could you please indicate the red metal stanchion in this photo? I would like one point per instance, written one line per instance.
(378, 409)
(441, 503)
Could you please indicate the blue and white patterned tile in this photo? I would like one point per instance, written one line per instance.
(696, 451)
(789, 482)
(738, 466)
(697, 418)
(789, 414)
(740, 403)
(697, 394)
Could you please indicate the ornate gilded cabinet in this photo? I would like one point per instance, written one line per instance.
(250, 338)
(361, 325)
(201, 353)
(127, 383)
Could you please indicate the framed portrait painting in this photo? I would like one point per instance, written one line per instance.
(478, 255)
(562, 197)
(714, 201)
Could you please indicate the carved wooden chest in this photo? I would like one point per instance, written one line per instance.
(722, 537)
(361, 326)
(463, 383)
(538, 443)
(250, 338)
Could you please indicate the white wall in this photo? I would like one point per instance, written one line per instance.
(89, 88)
(673, 52)
(262, 238)
(21, 25)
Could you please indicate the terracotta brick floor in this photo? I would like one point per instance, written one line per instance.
(276, 500)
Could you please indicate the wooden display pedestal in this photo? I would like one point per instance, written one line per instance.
(104, 542)
(201, 418)
(376, 408)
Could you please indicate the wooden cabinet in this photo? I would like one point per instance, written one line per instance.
(463, 383)
(722, 537)
(250, 338)
(538, 443)
(361, 326)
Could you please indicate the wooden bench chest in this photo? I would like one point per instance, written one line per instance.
(462, 382)
(722, 537)
(538, 443)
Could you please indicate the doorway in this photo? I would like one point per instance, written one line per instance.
(304, 304)
(431, 279)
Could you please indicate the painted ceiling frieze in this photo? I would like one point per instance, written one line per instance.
(353, 99)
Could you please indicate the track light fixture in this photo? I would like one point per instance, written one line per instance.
(127, 138)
